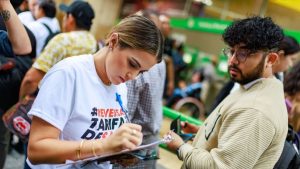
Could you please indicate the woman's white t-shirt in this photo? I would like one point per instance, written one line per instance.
(73, 99)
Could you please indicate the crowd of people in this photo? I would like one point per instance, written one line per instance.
(109, 98)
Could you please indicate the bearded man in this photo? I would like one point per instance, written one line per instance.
(248, 128)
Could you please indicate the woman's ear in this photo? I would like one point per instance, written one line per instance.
(113, 40)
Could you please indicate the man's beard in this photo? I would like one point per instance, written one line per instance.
(246, 78)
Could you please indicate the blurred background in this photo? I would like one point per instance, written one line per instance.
(196, 27)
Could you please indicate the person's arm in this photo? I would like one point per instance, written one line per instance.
(238, 132)
(170, 75)
(15, 29)
(294, 116)
(46, 148)
(30, 82)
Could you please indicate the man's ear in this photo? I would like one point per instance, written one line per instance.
(71, 20)
(272, 58)
(113, 40)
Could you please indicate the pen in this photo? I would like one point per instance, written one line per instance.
(119, 100)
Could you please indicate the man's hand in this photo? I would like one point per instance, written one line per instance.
(176, 142)
(189, 128)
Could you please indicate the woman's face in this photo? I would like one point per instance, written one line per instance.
(125, 64)
(283, 64)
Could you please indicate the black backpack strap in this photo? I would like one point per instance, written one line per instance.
(286, 156)
(48, 28)
(297, 141)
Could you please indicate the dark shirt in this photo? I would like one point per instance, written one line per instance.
(10, 81)
(168, 46)
(5, 45)
(31, 37)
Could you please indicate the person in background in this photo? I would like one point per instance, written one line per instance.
(28, 16)
(288, 49)
(170, 70)
(19, 5)
(292, 95)
(193, 89)
(210, 84)
(44, 13)
(23, 6)
(249, 127)
(14, 41)
(145, 101)
(75, 119)
(174, 52)
(75, 40)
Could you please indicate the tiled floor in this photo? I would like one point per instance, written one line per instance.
(14, 160)
(168, 160)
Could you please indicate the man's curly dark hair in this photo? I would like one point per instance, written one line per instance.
(291, 81)
(255, 32)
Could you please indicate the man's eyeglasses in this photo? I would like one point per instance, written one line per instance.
(240, 54)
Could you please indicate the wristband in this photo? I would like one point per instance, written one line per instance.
(178, 149)
(93, 148)
(78, 151)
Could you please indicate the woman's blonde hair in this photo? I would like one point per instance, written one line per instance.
(140, 33)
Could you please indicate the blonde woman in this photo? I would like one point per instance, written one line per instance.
(79, 111)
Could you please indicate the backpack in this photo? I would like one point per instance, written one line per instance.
(51, 34)
(12, 71)
(290, 158)
(16, 120)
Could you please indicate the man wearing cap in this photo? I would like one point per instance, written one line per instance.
(75, 40)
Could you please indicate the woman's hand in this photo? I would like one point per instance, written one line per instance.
(128, 136)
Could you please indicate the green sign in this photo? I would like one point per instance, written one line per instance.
(213, 26)
(200, 24)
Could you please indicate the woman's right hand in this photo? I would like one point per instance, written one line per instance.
(128, 136)
(189, 128)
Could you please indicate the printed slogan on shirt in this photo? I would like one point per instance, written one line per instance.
(103, 123)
